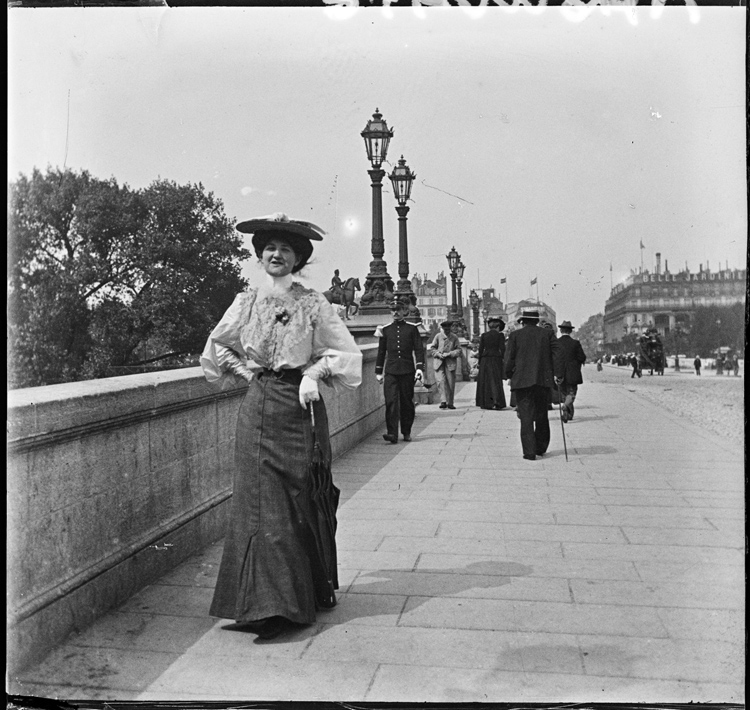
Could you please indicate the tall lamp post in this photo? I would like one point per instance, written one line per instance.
(459, 281)
(378, 284)
(402, 178)
(454, 259)
(486, 315)
(474, 300)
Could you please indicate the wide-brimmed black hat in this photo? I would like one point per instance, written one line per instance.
(298, 233)
(446, 324)
(565, 324)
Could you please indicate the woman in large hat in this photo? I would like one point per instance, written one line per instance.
(283, 339)
(490, 393)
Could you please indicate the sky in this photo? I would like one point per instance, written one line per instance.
(547, 143)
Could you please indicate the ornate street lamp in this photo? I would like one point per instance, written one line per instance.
(378, 284)
(454, 259)
(474, 300)
(459, 281)
(402, 178)
(677, 335)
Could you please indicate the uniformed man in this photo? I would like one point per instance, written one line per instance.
(399, 346)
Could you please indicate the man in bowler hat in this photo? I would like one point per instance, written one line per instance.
(399, 345)
(445, 350)
(528, 365)
(570, 358)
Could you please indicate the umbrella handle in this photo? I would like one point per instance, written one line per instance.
(312, 414)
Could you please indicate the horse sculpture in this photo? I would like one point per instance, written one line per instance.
(345, 297)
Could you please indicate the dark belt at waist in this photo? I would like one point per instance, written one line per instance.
(287, 375)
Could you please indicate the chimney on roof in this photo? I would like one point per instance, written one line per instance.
(666, 267)
(658, 262)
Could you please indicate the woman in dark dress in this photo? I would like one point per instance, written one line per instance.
(490, 394)
(277, 568)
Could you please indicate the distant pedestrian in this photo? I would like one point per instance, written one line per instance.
(399, 346)
(697, 365)
(568, 361)
(490, 393)
(736, 365)
(636, 367)
(445, 350)
(720, 365)
(528, 366)
(599, 367)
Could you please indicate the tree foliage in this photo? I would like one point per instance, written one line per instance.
(98, 271)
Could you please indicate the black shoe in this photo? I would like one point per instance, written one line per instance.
(407, 437)
(529, 458)
(450, 406)
(443, 405)
(390, 439)
(273, 627)
(250, 627)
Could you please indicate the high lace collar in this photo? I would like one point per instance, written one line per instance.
(276, 285)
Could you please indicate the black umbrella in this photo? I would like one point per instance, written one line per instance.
(324, 496)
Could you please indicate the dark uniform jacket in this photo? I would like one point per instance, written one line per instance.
(399, 343)
(570, 357)
(528, 357)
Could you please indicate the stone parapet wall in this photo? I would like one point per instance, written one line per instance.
(112, 483)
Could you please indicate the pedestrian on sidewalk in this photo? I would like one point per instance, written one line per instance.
(697, 365)
(399, 345)
(528, 365)
(736, 364)
(282, 338)
(445, 350)
(570, 358)
(490, 394)
(635, 365)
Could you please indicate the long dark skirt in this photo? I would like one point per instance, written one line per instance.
(270, 565)
(490, 393)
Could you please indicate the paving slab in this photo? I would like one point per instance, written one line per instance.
(468, 574)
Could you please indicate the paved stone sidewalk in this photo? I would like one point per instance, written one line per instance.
(470, 575)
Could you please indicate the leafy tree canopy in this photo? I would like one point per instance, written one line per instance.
(96, 271)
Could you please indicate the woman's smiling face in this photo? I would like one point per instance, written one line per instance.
(279, 258)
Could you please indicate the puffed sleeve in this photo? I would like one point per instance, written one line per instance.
(335, 358)
(224, 357)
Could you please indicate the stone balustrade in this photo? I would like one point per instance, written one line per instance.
(112, 483)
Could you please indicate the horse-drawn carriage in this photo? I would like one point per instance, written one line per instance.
(650, 353)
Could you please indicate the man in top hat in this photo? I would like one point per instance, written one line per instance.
(445, 349)
(528, 365)
(399, 345)
(570, 357)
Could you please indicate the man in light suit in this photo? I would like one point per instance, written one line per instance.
(567, 365)
(445, 350)
(528, 366)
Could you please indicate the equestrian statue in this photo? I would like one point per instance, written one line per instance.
(342, 293)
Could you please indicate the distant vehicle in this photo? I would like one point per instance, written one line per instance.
(650, 352)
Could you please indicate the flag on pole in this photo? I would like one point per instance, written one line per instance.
(533, 281)
(642, 247)
(502, 281)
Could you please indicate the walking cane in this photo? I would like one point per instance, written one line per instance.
(562, 423)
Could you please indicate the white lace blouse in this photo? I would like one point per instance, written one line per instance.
(293, 328)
